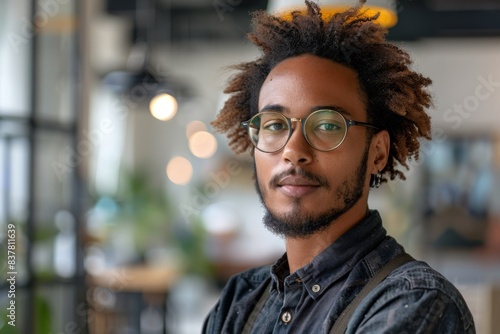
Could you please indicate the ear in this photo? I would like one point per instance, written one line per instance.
(379, 151)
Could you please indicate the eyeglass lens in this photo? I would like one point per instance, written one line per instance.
(324, 130)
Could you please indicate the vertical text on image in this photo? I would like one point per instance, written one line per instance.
(11, 274)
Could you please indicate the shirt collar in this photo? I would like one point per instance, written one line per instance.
(336, 260)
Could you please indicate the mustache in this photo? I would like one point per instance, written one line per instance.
(323, 182)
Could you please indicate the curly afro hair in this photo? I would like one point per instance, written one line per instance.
(396, 96)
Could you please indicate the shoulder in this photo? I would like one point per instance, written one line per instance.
(417, 297)
(419, 276)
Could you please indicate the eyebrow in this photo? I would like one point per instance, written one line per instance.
(280, 108)
(274, 107)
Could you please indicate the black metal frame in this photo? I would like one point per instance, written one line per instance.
(33, 126)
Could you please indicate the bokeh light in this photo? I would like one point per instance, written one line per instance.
(202, 144)
(163, 107)
(179, 170)
(193, 127)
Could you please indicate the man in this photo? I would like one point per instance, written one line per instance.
(330, 109)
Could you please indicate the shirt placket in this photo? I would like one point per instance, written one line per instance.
(291, 298)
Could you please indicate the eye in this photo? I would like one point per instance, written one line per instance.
(275, 125)
(327, 127)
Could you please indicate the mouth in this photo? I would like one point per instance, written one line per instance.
(297, 186)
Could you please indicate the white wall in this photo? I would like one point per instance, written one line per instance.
(459, 69)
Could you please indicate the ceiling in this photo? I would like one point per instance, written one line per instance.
(209, 20)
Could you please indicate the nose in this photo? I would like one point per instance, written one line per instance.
(297, 151)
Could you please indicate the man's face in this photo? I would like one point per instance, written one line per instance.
(305, 190)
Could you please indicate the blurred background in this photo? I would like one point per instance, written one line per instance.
(126, 213)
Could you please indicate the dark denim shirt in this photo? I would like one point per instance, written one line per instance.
(414, 298)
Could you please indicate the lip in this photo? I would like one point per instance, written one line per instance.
(297, 186)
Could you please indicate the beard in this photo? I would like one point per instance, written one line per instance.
(297, 224)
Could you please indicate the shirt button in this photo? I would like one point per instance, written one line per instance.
(286, 317)
(316, 288)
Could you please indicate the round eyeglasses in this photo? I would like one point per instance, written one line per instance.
(324, 129)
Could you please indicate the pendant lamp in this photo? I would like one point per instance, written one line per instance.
(387, 9)
(139, 81)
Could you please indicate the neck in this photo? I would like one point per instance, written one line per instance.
(301, 251)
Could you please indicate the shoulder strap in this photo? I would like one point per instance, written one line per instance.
(341, 324)
(256, 310)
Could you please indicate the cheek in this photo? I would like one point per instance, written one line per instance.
(338, 167)
(261, 167)
(264, 166)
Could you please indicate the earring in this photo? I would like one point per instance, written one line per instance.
(375, 180)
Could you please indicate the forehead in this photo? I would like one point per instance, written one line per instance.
(298, 84)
